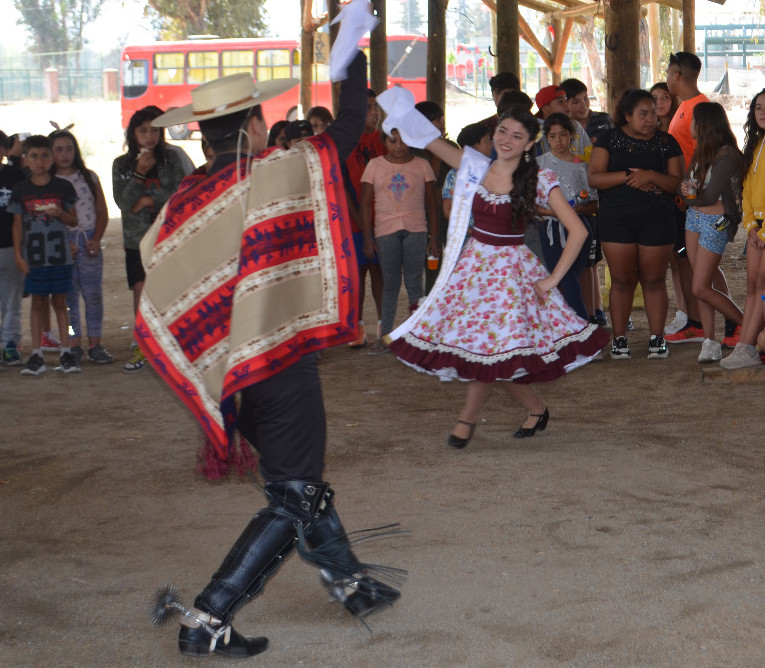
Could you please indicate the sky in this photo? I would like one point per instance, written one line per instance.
(124, 19)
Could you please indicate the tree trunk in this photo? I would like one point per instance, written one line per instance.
(587, 37)
(306, 60)
(689, 26)
(378, 50)
(622, 49)
(436, 77)
(508, 37)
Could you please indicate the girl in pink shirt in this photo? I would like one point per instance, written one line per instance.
(402, 187)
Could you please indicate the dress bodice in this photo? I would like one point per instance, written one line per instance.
(493, 213)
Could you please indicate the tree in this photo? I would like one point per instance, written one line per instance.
(57, 25)
(225, 18)
(412, 19)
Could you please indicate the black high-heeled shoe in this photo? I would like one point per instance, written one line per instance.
(456, 441)
(525, 432)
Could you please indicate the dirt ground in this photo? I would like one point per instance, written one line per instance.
(629, 533)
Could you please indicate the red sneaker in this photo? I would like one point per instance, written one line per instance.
(49, 343)
(687, 334)
(732, 340)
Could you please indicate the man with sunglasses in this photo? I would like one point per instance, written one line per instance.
(682, 80)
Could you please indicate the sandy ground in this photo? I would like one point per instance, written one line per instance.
(629, 533)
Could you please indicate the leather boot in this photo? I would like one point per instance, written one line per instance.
(257, 554)
(341, 572)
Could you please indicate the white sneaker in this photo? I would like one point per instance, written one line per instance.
(741, 358)
(680, 321)
(711, 351)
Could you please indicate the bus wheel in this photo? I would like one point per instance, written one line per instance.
(292, 114)
(180, 131)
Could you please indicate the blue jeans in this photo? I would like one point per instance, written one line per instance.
(11, 291)
(399, 252)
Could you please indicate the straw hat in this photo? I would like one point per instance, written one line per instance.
(224, 96)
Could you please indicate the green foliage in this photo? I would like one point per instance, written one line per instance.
(56, 25)
(226, 18)
(412, 19)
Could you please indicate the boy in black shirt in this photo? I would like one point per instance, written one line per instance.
(11, 279)
(42, 207)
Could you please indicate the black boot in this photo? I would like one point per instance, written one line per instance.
(341, 572)
(257, 554)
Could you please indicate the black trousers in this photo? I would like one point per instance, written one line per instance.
(283, 418)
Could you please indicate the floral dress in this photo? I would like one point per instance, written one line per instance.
(487, 323)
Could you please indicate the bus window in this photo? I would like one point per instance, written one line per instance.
(234, 62)
(407, 59)
(272, 64)
(296, 64)
(203, 66)
(168, 68)
(135, 77)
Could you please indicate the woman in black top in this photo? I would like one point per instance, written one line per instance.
(636, 169)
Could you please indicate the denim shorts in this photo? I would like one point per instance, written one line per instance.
(55, 280)
(704, 225)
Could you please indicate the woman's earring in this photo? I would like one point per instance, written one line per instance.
(526, 156)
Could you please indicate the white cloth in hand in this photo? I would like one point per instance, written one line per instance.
(355, 21)
(415, 130)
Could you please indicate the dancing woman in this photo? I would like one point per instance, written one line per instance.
(494, 313)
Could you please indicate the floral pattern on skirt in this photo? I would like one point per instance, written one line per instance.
(488, 323)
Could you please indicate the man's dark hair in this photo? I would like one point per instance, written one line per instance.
(513, 97)
(573, 87)
(371, 92)
(430, 110)
(222, 133)
(504, 81)
(5, 143)
(36, 141)
(471, 134)
(687, 62)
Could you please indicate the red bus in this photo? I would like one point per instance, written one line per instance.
(163, 73)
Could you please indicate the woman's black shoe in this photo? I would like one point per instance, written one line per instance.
(524, 432)
(460, 443)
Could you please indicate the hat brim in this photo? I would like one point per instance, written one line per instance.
(266, 91)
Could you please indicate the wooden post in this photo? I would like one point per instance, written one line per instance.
(654, 34)
(507, 43)
(333, 11)
(306, 57)
(435, 87)
(378, 50)
(689, 26)
(622, 40)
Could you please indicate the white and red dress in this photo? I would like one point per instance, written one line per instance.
(482, 320)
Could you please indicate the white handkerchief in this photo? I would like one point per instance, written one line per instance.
(355, 21)
(396, 101)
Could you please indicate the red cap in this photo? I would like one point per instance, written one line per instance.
(548, 94)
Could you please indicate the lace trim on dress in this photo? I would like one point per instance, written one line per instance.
(490, 197)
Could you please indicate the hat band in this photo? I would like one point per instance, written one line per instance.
(223, 107)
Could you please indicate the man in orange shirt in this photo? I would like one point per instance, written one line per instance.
(682, 81)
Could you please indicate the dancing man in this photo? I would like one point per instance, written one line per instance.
(250, 272)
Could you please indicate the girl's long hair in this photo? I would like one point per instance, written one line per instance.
(662, 85)
(524, 194)
(139, 118)
(712, 134)
(78, 162)
(752, 133)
